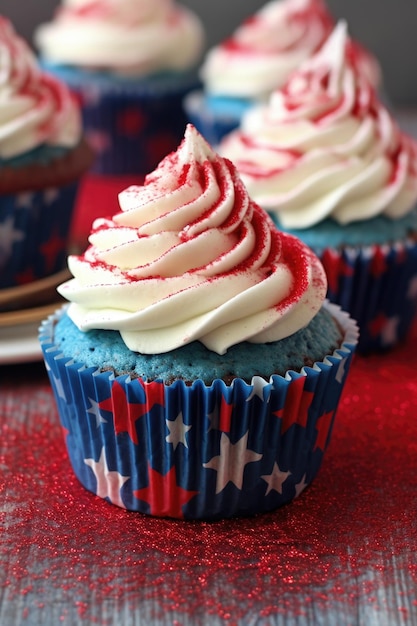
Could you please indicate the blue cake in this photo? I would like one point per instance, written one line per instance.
(106, 351)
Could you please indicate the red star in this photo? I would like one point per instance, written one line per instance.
(323, 427)
(26, 277)
(378, 263)
(225, 416)
(335, 266)
(131, 122)
(51, 249)
(155, 393)
(155, 494)
(297, 404)
(126, 413)
(377, 325)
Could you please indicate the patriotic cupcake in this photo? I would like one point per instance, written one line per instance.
(133, 63)
(258, 58)
(196, 370)
(42, 157)
(326, 159)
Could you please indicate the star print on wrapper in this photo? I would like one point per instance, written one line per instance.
(337, 267)
(163, 494)
(177, 431)
(276, 479)
(323, 428)
(230, 463)
(126, 412)
(297, 405)
(8, 236)
(109, 482)
(95, 410)
(221, 416)
(195, 451)
(52, 248)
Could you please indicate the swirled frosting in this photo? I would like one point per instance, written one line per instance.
(324, 146)
(35, 109)
(265, 49)
(132, 37)
(191, 257)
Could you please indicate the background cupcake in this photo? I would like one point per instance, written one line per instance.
(258, 58)
(42, 157)
(196, 371)
(132, 64)
(329, 163)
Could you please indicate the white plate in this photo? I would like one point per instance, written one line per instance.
(19, 333)
(20, 344)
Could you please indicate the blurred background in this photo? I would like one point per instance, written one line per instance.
(386, 27)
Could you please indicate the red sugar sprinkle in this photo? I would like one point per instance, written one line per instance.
(348, 542)
(182, 178)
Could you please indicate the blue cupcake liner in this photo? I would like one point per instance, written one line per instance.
(377, 285)
(131, 125)
(212, 123)
(199, 451)
(35, 228)
(130, 136)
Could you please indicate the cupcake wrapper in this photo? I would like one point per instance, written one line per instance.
(197, 452)
(35, 229)
(211, 124)
(131, 131)
(378, 286)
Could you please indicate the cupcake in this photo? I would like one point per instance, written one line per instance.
(327, 160)
(133, 63)
(196, 370)
(42, 158)
(257, 59)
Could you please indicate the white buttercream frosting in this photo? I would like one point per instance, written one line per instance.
(324, 146)
(191, 257)
(132, 37)
(264, 50)
(35, 108)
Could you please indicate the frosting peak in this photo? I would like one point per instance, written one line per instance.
(324, 146)
(191, 257)
(268, 47)
(35, 109)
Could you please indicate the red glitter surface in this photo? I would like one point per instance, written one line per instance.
(342, 553)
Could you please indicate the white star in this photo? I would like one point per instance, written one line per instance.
(389, 332)
(275, 479)
(50, 195)
(177, 431)
(8, 235)
(109, 482)
(258, 384)
(24, 200)
(95, 410)
(299, 487)
(230, 463)
(57, 383)
(412, 289)
(340, 374)
(59, 387)
(99, 141)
